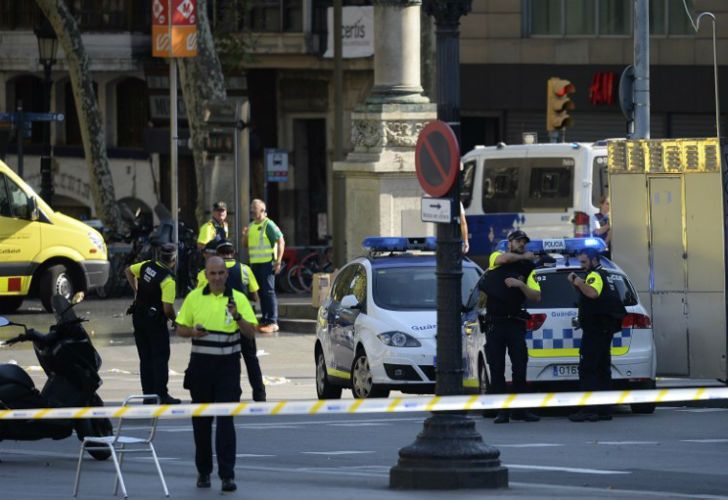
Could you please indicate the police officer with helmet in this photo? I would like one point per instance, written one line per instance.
(154, 289)
(508, 283)
(600, 316)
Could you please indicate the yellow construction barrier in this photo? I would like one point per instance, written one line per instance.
(392, 405)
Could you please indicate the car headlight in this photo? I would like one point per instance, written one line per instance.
(97, 241)
(399, 339)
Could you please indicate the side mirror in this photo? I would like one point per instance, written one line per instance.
(4, 321)
(33, 208)
(350, 302)
(77, 297)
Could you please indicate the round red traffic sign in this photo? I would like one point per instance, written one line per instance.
(437, 158)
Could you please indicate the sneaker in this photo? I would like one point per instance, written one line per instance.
(525, 415)
(169, 400)
(203, 480)
(229, 485)
(502, 418)
(583, 416)
(271, 328)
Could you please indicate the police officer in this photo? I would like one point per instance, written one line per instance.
(242, 279)
(215, 317)
(600, 317)
(154, 289)
(508, 282)
(265, 247)
(216, 228)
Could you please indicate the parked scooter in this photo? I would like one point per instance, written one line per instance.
(71, 364)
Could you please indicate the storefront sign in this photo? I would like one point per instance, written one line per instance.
(357, 32)
(276, 165)
(174, 28)
(601, 91)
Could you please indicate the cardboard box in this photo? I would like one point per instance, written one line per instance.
(320, 288)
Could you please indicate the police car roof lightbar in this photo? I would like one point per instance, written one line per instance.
(398, 244)
(565, 246)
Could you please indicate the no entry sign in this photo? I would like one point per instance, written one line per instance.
(437, 158)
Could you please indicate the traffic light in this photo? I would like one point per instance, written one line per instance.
(558, 103)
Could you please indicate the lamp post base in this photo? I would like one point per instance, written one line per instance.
(448, 454)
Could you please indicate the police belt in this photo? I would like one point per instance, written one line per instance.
(146, 311)
(493, 318)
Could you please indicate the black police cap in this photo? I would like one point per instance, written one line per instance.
(518, 235)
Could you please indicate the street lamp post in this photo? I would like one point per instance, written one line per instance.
(47, 50)
(449, 453)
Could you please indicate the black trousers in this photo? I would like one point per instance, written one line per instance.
(152, 341)
(503, 335)
(595, 360)
(252, 366)
(214, 379)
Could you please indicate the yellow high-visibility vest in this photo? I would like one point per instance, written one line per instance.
(260, 247)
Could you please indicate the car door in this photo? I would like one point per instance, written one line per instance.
(20, 235)
(339, 290)
(346, 321)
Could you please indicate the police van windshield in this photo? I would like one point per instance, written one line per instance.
(557, 292)
(522, 184)
(413, 288)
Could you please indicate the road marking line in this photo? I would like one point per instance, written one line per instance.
(343, 452)
(704, 440)
(611, 491)
(574, 470)
(528, 445)
(702, 410)
(353, 424)
(252, 455)
(618, 443)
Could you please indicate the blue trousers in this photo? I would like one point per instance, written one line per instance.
(266, 278)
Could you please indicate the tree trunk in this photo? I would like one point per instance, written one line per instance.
(201, 79)
(89, 117)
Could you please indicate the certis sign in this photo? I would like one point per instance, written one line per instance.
(174, 28)
(357, 32)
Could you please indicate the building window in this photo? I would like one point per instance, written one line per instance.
(284, 16)
(18, 15)
(132, 113)
(603, 17)
(92, 15)
(28, 91)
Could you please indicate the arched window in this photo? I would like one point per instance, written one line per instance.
(27, 89)
(132, 112)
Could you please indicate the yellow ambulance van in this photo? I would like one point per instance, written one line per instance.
(43, 252)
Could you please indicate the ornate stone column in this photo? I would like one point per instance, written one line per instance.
(381, 189)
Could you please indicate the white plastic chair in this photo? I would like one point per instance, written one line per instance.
(120, 445)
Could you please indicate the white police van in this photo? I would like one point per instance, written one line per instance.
(553, 340)
(376, 331)
(547, 190)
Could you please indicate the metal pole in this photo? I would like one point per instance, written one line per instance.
(237, 221)
(46, 170)
(19, 137)
(715, 78)
(338, 213)
(173, 146)
(642, 69)
(244, 143)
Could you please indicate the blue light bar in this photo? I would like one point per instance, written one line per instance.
(564, 246)
(398, 244)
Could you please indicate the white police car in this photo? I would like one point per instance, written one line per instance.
(553, 341)
(376, 329)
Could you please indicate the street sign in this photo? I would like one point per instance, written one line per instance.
(276, 165)
(174, 28)
(437, 158)
(436, 210)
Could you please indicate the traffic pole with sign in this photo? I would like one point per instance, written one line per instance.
(449, 453)
(174, 34)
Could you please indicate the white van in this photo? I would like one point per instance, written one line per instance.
(547, 190)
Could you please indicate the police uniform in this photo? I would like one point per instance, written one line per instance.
(213, 375)
(212, 231)
(242, 279)
(155, 285)
(262, 237)
(599, 319)
(506, 321)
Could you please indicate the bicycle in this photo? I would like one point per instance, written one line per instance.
(300, 276)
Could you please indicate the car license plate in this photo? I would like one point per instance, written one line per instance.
(566, 370)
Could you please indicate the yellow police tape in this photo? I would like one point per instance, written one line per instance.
(393, 405)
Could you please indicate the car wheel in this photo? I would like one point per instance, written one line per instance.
(362, 385)
(55, 280)
(644, 408)
(324, 388)
(9, 305)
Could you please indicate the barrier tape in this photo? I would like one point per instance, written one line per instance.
(394, 405)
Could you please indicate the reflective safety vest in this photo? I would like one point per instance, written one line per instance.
(260, 248)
